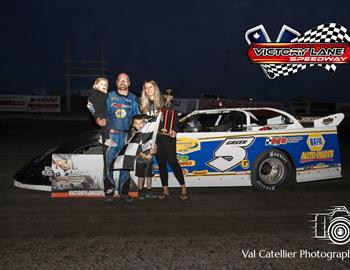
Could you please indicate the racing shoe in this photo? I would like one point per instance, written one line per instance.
(126, 198)
(149, 194)
(109, 194)
(141, 195)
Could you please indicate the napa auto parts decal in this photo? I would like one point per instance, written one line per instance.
(326, 45)
(316, 143)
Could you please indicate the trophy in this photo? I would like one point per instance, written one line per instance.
(168, 97)
(168, 114)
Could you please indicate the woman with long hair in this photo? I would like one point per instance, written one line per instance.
(151, 98)
(151, 102)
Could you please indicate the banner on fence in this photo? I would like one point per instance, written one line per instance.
(12, 103)
(44, 104)
(30, 103)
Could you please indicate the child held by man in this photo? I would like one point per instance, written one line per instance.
(97, 105)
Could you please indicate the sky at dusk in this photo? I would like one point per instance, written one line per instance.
(180, 44)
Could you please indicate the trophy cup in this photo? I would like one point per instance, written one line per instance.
(168, 97)
(168, 114)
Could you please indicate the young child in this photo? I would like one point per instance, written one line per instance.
(97, 105)
(144, 163)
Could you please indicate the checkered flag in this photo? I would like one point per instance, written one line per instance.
(324, 33)
(139, 142)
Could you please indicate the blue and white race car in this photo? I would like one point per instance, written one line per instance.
(260, 147)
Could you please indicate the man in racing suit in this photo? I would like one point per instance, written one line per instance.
(122, 106)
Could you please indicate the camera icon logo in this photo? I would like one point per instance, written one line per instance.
(333, 226)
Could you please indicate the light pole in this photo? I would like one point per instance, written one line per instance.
(82, 68)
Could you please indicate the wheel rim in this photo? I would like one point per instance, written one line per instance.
(271, 171)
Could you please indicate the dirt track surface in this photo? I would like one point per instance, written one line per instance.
(209, 231)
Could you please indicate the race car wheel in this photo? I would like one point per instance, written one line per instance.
(271, 170)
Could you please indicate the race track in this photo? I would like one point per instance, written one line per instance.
(209, 231)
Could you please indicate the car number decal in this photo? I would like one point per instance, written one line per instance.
(230, 153)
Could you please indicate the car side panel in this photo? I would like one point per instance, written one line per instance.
(226, 158)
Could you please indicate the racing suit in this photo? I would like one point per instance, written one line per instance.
(120, 111)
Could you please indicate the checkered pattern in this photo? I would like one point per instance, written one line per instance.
(327, 33)
(268, 141)
(139, 142)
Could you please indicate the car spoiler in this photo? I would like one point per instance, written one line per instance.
(330, 120)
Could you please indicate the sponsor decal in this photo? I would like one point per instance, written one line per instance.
(243, 142)
(230, 153)
(307, 168)
(324, 45)
(282, 140)
(185, 145)
(188, 163)
(321, 165)
(241, 172)
(317, 166)
(184, 171)
(120, 113)
(202, 172)
(182, 158)
(327, 121)
(245, 164)
(315, 142)
(325, 155)
(117, 105)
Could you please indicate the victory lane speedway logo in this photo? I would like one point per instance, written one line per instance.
(325, 45)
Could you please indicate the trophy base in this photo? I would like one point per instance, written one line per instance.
(164, 133)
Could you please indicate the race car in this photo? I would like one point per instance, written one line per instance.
(260, 147)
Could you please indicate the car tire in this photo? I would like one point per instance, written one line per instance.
(271, 170)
